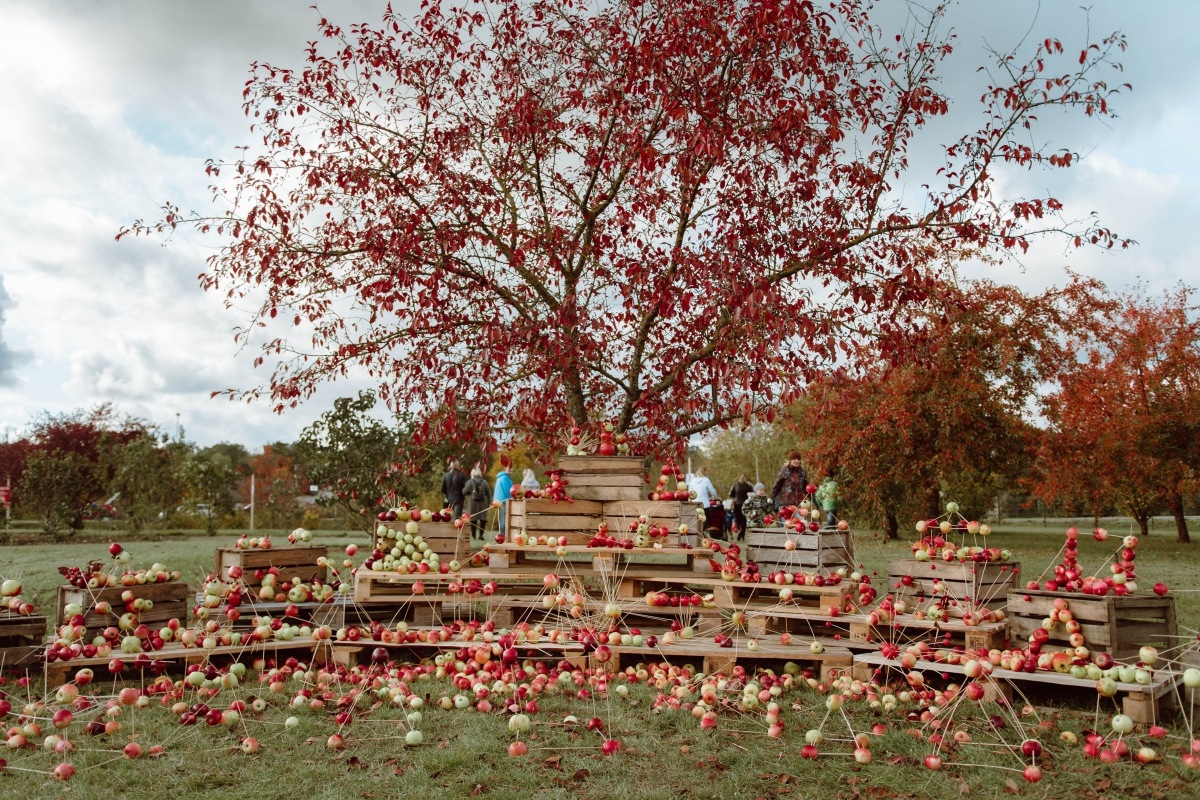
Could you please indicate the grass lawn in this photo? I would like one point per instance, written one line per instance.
(665, 752)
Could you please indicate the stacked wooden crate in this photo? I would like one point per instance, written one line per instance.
(170, 600)
(822, 551)
(292, 563)
(1118, 625)
(967, 586)
(20, 640)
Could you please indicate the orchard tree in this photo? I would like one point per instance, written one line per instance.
(939, 412)
(518, 214)
(210, 477)
(55, 486)
(1125, 412)
(144, 474)
(349, 454)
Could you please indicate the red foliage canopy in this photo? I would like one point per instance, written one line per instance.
(660, 213)
(1124, 427)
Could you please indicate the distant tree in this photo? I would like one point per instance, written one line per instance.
(146, 477)
(350, 454)
(87, 436)
(55, 486)
(210, 477)
(1125, 416)
(13, 456)
(938, 410)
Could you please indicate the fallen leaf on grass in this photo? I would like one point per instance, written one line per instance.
(964, 788)
(685, 749)
(897, 761)
(581, 775)
(355, 762)
(1011, 786)
(478, 790)
(1103, 785)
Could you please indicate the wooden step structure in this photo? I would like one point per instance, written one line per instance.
(1143, 703)
(605, 560)
(711, 659)
(171, 599)
(21, 640)
(604, 478)
(1118, 625)
(299, 562)
(967, 586)
(579, 520)
(822, 552)
(346, 652)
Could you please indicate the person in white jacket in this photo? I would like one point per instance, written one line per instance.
(709, 502)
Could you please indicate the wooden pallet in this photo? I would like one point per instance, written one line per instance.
(292, 563)
(823, 551)
(714, 659)
(968, 585)
(172, 600)
(606, 560)
(177, 658)
(1145, 704)
(1118, 625)
(21, 640)
(345, 652)
(906, 629)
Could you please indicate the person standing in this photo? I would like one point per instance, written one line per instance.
(739, 492)
(827, 496)
(478, 496)
(529, 482)
(791, 483)
(709, 503)
(452, 488)
(757, 506)
(504, 484)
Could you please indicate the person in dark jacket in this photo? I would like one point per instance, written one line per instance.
(756, 507)
(479, 499)
(738, 493)
(452, 488)
(791, 484)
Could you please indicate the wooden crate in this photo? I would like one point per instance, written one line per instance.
(21, 640)
(1117, 625)
(291, 562)
(172, 600)
(968, 585)
(823, 551)
(578, 520)
(604, 478)
(444, 538)
(1144, 704)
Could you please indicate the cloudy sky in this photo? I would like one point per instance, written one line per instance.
(112, 108)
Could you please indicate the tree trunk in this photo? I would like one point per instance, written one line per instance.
(1143, 521)
(933, 502)
(1175, 503)
(892, 531)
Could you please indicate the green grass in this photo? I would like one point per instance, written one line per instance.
(666, 754)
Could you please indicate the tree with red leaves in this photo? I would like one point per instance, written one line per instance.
(666, 215)
(939, 411)
(1124, 419)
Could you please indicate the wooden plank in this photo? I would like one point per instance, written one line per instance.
(659, 511)
(291, 562)
(551, 522)
(604, 479)
(605, 493)
(577, 465)
(538, 505)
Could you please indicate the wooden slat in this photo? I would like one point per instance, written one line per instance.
(539, 505)
(550, 522)
(604, 479)
(579, 465)
(605, 493)
(659, 511)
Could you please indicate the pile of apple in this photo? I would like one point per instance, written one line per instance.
(804, 516)
(406, 513)
(96, 576)
(679, 493)
(554, 490)
(401, 548)
(71, 640)
(1069, 578)
(247, 542)
(10, 598)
